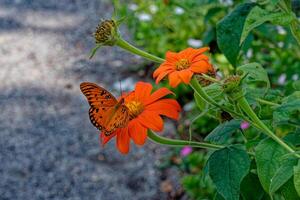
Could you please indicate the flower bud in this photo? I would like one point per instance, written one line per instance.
(106, 33)
(232, 84)
(204, 82)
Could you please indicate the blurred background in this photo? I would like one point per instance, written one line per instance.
(50, 150)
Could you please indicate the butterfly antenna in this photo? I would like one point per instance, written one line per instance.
(120, 87)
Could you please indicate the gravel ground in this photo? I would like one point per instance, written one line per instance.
(49, 149)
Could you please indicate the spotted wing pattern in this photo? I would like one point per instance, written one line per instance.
(109, 120)
(97, 96)
(106, 113)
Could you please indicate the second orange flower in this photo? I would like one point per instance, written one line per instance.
(180, 67)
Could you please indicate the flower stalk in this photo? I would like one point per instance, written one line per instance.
(179, 143)
(267, 102)
(199, 90)
(242, 102)
(125, 45)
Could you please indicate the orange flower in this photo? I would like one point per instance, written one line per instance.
(181, 66)
(145, 110)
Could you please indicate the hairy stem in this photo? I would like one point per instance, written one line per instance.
(125, 45)
(267, 102)
(199, 90)
(174, 142)
(259, 124)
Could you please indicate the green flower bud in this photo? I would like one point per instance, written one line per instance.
(232, 84)
(106, 33)
(204, 82)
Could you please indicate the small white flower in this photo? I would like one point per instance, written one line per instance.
(219, 74)
(295, 77)
(133, 6)
(227, 2)
(249, 53)
(153, 8)
(189, 106)
(179, 11)
(281, 79)
(281, 30)
(280, 44)
(144, 17)
(194, 42)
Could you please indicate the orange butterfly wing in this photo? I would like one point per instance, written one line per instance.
(97, 96)
(106, 113)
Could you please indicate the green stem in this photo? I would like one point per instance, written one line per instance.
(174, 142)
(199, 90)
(295, 29)
(286, 6)
(267, 102)
(125, 45)
(248, 110)
(209, 78)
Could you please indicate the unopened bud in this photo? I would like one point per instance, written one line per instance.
(231, 84)
(205, 82)
(106, 33)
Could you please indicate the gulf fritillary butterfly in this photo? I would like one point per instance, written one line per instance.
(106, 113)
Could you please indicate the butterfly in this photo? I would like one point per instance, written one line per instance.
(106, 112)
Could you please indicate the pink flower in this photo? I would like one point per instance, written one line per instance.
(245, 125)
(185, 151)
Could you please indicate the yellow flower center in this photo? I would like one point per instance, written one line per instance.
(135, 108)
(182, 64)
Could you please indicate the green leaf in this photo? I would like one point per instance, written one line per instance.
(214, 90)
(227, 168)
(290, 108)
(200, 102)
(229, 31)
(296, 85)
(283, 174)
(251, 188)
(268, 156)
(223, 132)
(255, 73)
(297, 178)
(218, 197)
(288, 190)
(258, 16)
(94, 50)
(293, 138)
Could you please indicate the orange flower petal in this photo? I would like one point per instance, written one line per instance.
(137, 132)
(151, 120)
(172, 56)
(201, 66)
(167, 107)
(162, 75)
(104, 139)
(185, 75)
(200, 57)
(186, 53)
(174, 79)
(123, 140)
(142, 91)
(163, 67)
(198, 52)
(157, 95)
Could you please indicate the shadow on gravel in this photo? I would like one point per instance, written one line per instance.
(49, 149)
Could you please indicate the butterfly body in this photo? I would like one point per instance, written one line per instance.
(106, 113)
